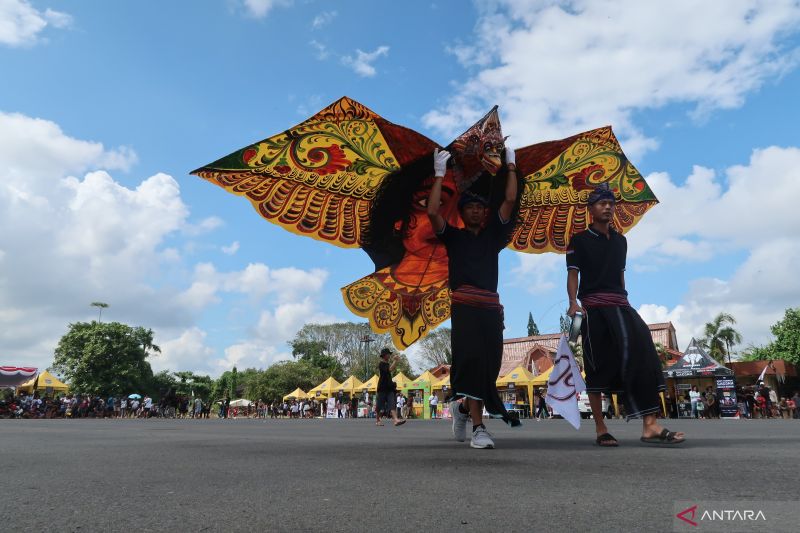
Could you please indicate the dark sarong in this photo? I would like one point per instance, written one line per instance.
(477, 341)
(620, 357)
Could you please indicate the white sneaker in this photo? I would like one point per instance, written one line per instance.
(481, 438)
(459, 422)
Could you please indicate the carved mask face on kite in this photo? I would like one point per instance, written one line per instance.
(351, 178)
(478, 149)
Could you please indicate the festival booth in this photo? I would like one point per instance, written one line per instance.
(326, 389)
(420, 389)
(296, 394)
(441, 388)
(401, 380)
(350, 386)
(371, 385)
(516, 390)
(697, 368)
(45, 383)
(12, 377)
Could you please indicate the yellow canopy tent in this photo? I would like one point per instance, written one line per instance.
(427, 376)
(442, 383)
(45, 380)
(371, 384)
(541, 379)
(326, 389)
(520, 377)
(297, 394)
(350, 386)
(401, 380)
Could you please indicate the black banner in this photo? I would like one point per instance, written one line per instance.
(726, 396)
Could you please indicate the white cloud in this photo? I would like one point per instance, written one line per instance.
(321, 51)
(537, 272)
(21, 23)
(702, 222)
(323, 19)
(188, 351)
(616, 58)
(80, 239)
(260, 8)
(231, 249)
(362, 62)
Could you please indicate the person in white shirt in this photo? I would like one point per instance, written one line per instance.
(694, 397)
(123, 408)
(148, 404)
(434, 403)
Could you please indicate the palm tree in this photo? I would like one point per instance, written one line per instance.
(720, 337)
(101, 305)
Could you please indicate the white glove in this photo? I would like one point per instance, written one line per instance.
(511, 156)
(440, 158)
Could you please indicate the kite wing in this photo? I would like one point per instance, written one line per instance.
(318, 178)
(557, 179)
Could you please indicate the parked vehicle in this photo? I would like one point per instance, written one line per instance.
(586, 409)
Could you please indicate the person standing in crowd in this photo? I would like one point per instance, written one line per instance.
(148, 404)
(123, 407)
(694, 398)
(433, 401)
(617, 345)
(540, 405)
(796, 400)
(400, 403)
(386, 389)
(198, 407)
(476, 314)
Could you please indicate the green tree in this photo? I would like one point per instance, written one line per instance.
(233, 383)
(105, 358)
(345, 342)
(435, 348)
(785, 345)
(719, 336)
(191, 384)
(533, 329)
(316, 354)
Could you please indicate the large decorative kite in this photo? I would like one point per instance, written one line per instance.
(351, 178)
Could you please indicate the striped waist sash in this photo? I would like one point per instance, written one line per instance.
(476, 297)
(604, 299)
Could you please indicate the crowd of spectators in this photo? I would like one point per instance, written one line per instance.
(171, 405)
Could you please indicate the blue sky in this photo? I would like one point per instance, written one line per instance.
(106, 107)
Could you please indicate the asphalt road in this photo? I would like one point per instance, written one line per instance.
(349, 475)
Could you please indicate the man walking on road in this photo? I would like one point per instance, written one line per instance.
(618, 349)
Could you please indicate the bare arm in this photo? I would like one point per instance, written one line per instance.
(435, 197)
(395, 359)
(511, 191)
(572, 292)
(434, 200)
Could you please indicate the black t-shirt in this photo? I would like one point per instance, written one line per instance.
(472, 259)
(385, 383)
(600, 261)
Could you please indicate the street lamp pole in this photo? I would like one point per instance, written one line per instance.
(366, 339)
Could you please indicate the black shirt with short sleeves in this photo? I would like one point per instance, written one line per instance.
(600, 260)
(385, 383)
(473, 259)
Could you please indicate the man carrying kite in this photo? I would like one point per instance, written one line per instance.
(476, 313)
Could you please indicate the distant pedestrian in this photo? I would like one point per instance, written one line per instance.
(433, 401)
(386, 388)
